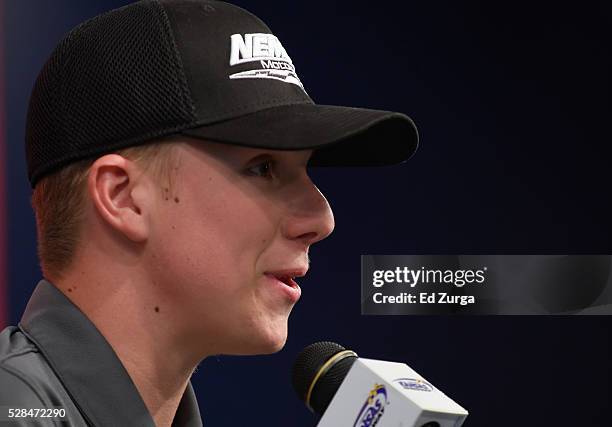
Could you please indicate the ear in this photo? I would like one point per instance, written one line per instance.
(118, 196)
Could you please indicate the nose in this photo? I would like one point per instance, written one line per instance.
(309, 218)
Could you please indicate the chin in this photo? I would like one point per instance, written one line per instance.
(270, 344)
(276, 346)
(264, 342)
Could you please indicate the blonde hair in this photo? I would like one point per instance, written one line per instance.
(59, 202)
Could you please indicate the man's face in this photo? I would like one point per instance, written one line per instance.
(226, 237)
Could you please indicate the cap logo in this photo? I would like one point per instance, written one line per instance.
(267, 53)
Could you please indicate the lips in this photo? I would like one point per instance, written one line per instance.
(287, 280)
(284, 284)
(288, 276)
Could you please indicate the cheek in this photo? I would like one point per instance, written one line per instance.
(215, 241)
(210, 256)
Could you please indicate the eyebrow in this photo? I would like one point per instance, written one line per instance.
(273, 154)
(258, 157)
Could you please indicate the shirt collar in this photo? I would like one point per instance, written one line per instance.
(80, 356)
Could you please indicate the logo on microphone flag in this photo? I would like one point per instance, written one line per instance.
(373, 408)
(414, 384)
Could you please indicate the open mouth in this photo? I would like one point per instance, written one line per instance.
(288, 280)
(287, 277)
(284, 280)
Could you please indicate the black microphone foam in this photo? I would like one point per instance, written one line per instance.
(312, 372)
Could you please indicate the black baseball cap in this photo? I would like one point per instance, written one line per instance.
(206, 69)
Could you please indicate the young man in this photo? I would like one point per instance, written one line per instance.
(167, 145)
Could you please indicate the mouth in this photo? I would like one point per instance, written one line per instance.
(287, 276)
(285, 279)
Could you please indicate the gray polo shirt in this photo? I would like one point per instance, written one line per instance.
(56, 358)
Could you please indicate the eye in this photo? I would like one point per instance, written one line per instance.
(262, 169)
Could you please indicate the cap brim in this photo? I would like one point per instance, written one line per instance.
(340, 136)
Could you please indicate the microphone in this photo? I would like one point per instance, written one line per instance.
(349, 391)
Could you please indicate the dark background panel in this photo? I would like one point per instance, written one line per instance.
(512, 100)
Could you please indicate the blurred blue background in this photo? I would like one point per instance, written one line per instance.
(512, 100)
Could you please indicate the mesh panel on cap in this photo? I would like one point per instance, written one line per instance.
(114, 81)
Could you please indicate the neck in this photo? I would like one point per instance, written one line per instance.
(144, 334)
